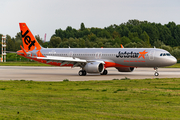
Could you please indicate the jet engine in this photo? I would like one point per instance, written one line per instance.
(125, 69)
(94, 67)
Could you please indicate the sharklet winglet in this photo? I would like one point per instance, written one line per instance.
(122, 46)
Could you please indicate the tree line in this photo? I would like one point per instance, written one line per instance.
(134, 33)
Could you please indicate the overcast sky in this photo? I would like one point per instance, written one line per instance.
(44, 16)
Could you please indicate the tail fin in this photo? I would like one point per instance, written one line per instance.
(29, 41)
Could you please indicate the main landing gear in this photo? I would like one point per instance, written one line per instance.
(104, 72)
(82, 73)
(156, 71)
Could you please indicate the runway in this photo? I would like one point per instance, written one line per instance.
(61, 73)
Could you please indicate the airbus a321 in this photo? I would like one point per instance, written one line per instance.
(94, 60)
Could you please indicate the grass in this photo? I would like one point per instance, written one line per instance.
(115, 99)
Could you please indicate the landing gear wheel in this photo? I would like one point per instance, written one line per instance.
(104, 72)
(156, 71)
(82, 73)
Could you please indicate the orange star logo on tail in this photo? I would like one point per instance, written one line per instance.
(142, 54)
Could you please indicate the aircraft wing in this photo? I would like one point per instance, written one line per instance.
(64, 60)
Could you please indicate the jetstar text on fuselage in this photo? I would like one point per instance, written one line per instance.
(127, 54)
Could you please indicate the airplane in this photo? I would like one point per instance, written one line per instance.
(94, 60)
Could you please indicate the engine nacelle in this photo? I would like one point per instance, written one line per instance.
(125, 69)
(94, 67)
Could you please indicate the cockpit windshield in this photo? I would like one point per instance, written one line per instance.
(165, 54)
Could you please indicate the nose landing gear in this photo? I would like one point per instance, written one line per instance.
(156, 71)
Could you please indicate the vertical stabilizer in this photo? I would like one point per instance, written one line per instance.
(29, 41)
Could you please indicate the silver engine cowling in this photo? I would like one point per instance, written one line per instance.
(94, 67)
(125, 69)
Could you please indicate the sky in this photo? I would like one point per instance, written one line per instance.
(45, 16)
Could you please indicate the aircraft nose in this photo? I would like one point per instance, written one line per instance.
(172, 60)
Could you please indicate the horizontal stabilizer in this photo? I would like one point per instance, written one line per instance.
(25, 53)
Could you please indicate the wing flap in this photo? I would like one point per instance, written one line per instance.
(64, 60)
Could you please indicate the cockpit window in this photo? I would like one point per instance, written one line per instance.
(165, 54)
(168, 54)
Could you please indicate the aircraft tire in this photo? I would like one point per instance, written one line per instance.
(82, 73)
(156, 74)
(104, 72)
